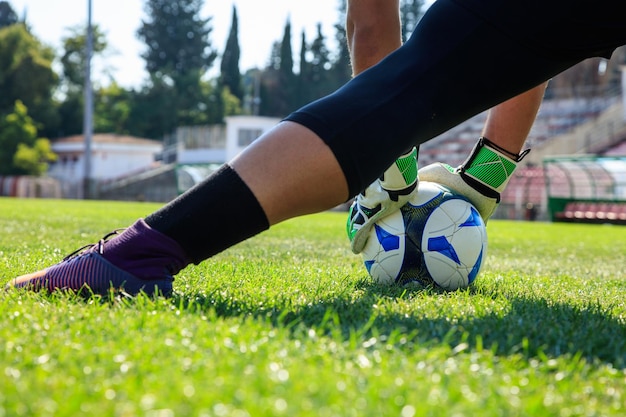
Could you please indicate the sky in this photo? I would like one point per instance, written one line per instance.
(261, 23)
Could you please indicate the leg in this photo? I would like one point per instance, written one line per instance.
(270, 160)
(265, 187)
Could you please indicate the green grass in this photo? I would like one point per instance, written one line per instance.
(288, 324)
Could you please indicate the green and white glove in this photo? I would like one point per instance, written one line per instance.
(381, 198)
(481, 178)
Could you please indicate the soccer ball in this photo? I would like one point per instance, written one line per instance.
(438, 238)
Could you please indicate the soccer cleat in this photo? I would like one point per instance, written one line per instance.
(481, 178)
(139, 259)
(382, 198)
(90, 273)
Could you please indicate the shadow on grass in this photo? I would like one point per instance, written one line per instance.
(533, 328)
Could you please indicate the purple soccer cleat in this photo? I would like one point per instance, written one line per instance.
(89, 272)
(140, 259)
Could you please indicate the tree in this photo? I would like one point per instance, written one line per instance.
(74, 58)
(278, 84)
(230, 75)
(411, 11)
(74, 71)
(112, 109)
(287, 78)
(154, 109)
(269, 84)
(304, 75)
(8, 16)
(319, 67)
(252, 86)
(177, 39)
(26, 74)
(178, 55)
(34, 160)
(22, 152)
(341, 70)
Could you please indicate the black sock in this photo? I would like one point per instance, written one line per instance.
(212, 216)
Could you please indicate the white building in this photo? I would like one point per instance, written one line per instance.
(113, 156)
(200, 150)
(194, 151)
(241, 131)
(217, 144)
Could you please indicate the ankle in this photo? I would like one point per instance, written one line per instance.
(145, 252)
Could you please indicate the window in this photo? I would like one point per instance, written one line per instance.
(246, 136)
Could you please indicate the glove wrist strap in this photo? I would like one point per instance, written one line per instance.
(489, 166)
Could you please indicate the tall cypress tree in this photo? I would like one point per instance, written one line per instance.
(341, 70)
(302, 95)
(286, 75)
(230, 75)
(279, 81)
(320, 66)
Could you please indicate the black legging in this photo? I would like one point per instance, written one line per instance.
(454, 66)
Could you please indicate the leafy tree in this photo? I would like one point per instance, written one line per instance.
(74, 70)
(231, 103)
(112, 109)
(217, 103)
(74, 58)
(252, 86)
(22, 152)
(177, 39)
(33, 160)
(26, 74)
(70, 112)
(154, 109)
(8, 16)
(230, 75)
(178, 55)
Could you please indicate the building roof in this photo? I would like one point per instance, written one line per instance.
(107, 138)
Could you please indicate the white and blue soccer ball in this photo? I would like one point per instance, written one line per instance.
(437, 239)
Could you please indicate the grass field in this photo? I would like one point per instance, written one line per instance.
(288, 324)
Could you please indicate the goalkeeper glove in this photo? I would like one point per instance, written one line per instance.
(481, 178)
(381, 198)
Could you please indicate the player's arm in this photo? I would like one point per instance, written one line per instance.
(488, 169)
(373, 31)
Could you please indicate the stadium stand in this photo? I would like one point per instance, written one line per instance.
(571, 126)
(555, 118)
(593, 212)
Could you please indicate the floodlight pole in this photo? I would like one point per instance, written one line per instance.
(88, 110)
